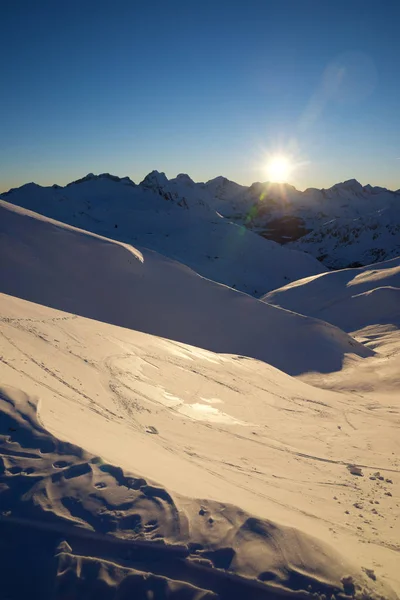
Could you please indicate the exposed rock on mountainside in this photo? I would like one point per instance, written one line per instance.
(345, 225)
(174, 219)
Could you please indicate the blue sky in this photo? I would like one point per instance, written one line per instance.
(207, 88)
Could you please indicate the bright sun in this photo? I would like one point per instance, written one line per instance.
(278, 169)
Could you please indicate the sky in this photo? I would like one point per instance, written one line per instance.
(207, 88)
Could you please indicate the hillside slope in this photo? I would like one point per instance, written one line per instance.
(171, 218)
(341, 226)
(56, 265)
(350, 299)
(119, 480)
(346, 225)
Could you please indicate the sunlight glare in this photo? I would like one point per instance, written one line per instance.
(278, 169)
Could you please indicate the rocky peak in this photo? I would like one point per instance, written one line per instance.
(155, 180)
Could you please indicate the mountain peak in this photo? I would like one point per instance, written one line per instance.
(92, 177)
(219, 179)
(271, 186)
(87, 177)
(353, 183)
(184, 178)
(26, 187)
(155, 179)
(348, 185)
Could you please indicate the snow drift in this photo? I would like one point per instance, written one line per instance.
(46, 262)
(101, 532)
(350, 299)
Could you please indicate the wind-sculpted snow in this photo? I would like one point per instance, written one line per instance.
(184, 464)
(155, 466)
(95, 530)
(59, 266)
(350, 299)
(172, 218)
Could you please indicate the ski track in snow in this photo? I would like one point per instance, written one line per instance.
(270, 467)
(133, 464)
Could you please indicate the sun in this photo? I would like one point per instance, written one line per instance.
(278, 169)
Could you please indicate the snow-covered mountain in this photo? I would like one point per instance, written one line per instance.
(350, 298)
(356, 241)
(109, 281)
(345, 225)
(171, 218)
(133, 464)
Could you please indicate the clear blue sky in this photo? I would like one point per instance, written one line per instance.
(202, 87)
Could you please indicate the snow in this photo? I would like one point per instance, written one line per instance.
(165, 436)
(105, 280)
(174, 220)
(140, 495)
(369, 237)
(346, 225)
(350, 299)
(343, 225)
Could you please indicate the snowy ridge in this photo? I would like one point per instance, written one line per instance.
(95, 277)
(144, 506)
(350, 299)
(172, 218)
(163, 436)
(345, 225)
(365, 239)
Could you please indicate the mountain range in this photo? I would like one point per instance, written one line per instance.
(347, 225)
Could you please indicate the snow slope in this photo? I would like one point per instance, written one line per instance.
(172, 218)
(365, 239)
(350, 299)
(341, 226)
(59, 266)
(119, 482)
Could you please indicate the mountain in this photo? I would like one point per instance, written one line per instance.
(60, 266)
(171, 218)
(343, 226)
(362, 240)
(350, 299)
